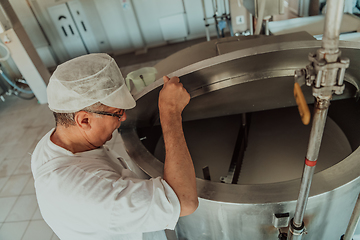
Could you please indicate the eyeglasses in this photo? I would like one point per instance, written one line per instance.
(118, 114)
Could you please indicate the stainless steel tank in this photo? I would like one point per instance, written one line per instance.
(254, 75)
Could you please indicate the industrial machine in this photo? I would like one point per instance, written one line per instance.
(244, 134)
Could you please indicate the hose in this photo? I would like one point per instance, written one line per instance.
(13, 84)
(6, 57)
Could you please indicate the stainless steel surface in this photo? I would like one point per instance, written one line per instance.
(240, 70)
(254, 78)
(354, 220)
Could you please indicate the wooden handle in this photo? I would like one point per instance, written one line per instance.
(302, 105)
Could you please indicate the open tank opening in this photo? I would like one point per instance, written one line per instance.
(274, 150)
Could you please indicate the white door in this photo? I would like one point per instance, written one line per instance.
(83, 26)
(67, 30)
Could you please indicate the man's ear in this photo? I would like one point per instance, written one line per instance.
(82, 119)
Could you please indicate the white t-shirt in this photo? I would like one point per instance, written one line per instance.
(89, 196)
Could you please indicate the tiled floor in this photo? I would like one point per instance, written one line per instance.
(23, 123)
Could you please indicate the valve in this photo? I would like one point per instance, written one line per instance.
(319, 70)
(315, 75)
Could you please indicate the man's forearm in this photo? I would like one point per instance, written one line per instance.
(179, 169)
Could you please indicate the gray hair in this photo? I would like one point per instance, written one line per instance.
(68, 119)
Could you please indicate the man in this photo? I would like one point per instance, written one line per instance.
(85, 193)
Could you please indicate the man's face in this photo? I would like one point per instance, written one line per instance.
(102, 126)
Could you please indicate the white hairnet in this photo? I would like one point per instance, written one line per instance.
(85, 80)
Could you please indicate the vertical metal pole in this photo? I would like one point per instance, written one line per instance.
(206, 22)
(329, 52)
(317, 130)
(267, 32)
(260, 16)
(251, 24)
(301, 8)
(354, 220)
(334, 12)
(225, 12)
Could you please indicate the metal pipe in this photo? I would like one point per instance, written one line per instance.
(354, 220)
(334, 12)
(303, 195)
(251, 24)
(329, 47)
(206, 22)
(216, 7)
(301, 8)
(320, 113)
(267, 31)
(260, 17)
(207, 32)
(317, 130)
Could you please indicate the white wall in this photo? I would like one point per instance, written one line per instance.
(40, 9)
(149, 13)
(132, 24)
(96, 24)
(194, 14)
(110, 12)
(118, 26)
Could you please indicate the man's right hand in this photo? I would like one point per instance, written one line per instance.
(173, 97)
